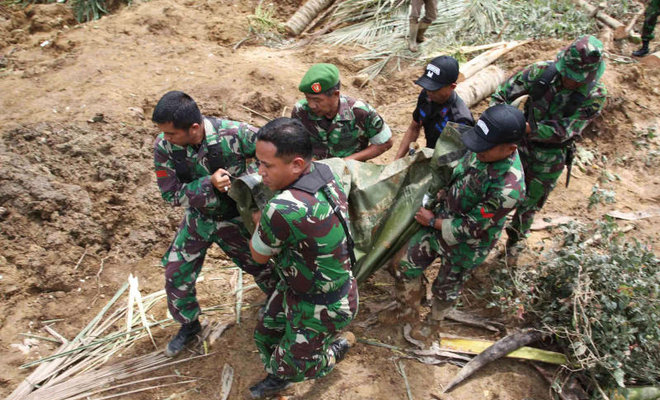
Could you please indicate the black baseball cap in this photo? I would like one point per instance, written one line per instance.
(440, 72)
(499, 124)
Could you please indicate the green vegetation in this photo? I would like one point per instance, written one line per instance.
(84, 10)
(596, 294)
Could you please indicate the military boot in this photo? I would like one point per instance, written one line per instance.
(269, 386)
(185, 335)
(342, 344)
(425, 330)
(423, 26)
(408, 296)
(412, 36)
(643, 51)
(440, 309)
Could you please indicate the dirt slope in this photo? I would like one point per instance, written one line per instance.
(79, 208)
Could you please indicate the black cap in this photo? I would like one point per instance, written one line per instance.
(442, 71)
(499, 124)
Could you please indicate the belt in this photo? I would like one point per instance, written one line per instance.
(326, 298)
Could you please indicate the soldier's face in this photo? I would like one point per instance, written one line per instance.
(182, 137)
(276, 172)
(441, 95)
(323, 105)
(497, 153)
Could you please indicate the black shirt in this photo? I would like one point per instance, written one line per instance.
(434, 116)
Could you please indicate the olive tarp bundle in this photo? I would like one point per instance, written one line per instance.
(382, 199)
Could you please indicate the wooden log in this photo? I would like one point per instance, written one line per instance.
(607, 37)
(481, 85)
(485, 59)
(304, 15)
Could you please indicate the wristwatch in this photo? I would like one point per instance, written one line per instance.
(432, 222)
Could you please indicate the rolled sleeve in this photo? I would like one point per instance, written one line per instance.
(260, 247)
(382, 137)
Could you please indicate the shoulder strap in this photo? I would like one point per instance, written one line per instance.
(180, 167)
(214, 150)
(542, 85)
(349, 239)
(317, 180)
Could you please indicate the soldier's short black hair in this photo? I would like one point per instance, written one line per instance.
(332, 90)
(289, 136)
(178, 108)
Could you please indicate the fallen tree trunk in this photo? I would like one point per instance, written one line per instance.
(481, 85)
(619, 28)
(485, 59)
(304, 16)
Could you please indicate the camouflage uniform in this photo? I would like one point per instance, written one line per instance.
(355, 126)
(310, 248)
(202, 223)
(650, 18)
(543, 152)
(473, 215)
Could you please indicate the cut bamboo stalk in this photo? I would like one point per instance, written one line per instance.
(481, 85)
(304, 15)
(493, 352)
(476, 346)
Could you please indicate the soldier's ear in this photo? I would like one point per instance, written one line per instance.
(298, 164)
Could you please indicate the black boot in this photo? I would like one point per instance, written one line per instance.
(269, 386)
(643, 51)
(185, 335)
(341, 346)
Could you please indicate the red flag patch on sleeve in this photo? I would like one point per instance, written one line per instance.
(161, 173)
(485, 214)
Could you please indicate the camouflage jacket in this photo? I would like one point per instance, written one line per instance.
(307, 239)
(479, 198)
(553, 127)
(355, 126)
(238, 142)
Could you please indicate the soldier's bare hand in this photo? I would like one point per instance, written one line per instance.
(423, 216)
(220, 180)
(528, 129)
(256, 216)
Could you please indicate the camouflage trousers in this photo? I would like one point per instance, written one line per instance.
(293, 336)
(430, 12)
(650, 18)
(457, 261)
(542, 169)
(185, 256)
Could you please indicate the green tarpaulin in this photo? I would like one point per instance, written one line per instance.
(382, 199)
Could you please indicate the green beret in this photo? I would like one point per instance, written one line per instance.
(319, 78)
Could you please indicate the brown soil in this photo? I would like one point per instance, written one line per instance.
(79, 207)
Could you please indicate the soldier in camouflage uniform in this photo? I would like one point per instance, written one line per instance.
(565, 96)
(486, 185)
(650, 18)
(339, 126)
(195, 157)
(317, 295)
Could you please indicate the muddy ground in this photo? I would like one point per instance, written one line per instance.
(80, 210)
